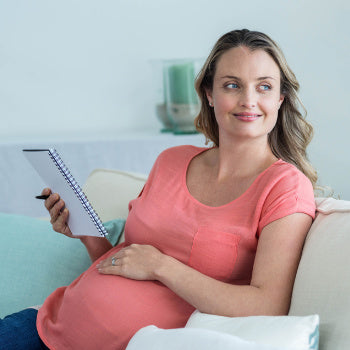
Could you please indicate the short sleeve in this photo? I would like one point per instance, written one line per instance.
(292, 193)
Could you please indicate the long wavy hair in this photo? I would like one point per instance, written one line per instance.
(292, 133)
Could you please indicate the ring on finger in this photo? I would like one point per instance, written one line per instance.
(113, 261)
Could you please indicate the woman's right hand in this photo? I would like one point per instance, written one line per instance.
(96, 246)
(58, 213)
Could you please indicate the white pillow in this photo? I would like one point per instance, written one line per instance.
(153, 338)
(291, 332)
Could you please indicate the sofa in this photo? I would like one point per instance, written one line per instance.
(39, 260)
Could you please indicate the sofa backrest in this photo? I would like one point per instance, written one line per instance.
(322, 284)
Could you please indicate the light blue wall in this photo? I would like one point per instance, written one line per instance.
(68, 67)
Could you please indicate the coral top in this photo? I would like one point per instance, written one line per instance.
(104, 311)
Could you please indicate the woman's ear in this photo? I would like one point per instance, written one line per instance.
(280, 100)
(209, 97)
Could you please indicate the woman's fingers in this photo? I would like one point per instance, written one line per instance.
(58, 213)
(54, 205)
(60, 224)
(136, 261)
(111, 261)
(56, 210)
(58, 221)
(51, 200)
(111, 265)
(46, 192)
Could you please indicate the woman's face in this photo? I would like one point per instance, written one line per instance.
(246, 93)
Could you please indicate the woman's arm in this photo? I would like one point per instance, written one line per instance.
(269, 293)
(96, 246)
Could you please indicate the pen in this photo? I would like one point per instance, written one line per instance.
(42, 196)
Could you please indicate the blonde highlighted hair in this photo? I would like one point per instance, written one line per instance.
(292, 133)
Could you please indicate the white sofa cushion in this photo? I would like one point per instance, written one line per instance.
(109, 191)
(289, 332)
(154, 338)
(322, 283)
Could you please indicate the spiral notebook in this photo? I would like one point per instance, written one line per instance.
(82, 220)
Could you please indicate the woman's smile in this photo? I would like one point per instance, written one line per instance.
(247, 116)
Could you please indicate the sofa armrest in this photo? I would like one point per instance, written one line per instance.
(322, 284)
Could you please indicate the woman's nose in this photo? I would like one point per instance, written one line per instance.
(248, 98)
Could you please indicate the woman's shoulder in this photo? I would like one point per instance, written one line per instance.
(180, 153)
(286, 177)
(174, 159)
(289, 171)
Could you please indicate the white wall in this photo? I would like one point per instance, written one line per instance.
(68, 67)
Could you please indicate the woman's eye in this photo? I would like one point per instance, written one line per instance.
(265, 87)
(232, 86)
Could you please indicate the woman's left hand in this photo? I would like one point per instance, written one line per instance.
(138, 262)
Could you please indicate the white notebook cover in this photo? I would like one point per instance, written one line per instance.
(79, 220)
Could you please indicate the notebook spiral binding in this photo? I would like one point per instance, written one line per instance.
(78, 191)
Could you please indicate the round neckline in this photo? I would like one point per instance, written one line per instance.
(195, 200)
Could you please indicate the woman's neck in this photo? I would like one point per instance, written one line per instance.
(242, 159)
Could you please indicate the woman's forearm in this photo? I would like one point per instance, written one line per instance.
(215, 297)
(96, 246)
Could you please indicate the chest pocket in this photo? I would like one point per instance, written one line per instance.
(214, 253)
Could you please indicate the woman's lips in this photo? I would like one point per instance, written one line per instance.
(247, 117)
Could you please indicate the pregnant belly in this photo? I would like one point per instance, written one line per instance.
(104, 311)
